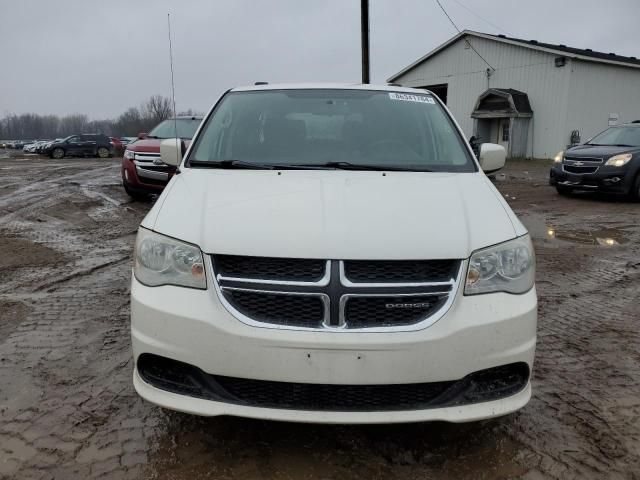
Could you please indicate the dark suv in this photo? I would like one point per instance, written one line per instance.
(85, 145)
(609, 162)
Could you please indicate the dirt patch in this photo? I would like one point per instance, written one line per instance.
(18, 252)
(12, 314)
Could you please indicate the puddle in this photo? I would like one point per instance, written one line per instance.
(609, 236)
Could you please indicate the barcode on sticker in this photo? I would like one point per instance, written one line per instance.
(410, 97)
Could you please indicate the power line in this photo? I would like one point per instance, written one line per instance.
(459, 31)
(482, 18)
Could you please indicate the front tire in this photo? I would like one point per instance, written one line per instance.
(564, 191)
(634, 193)
(103, 152)
(57, 153)
(138, 196)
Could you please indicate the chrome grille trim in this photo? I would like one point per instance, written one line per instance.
(584, 159)
(323, 282)
(344, 293)
(153, 174)
(146, 156)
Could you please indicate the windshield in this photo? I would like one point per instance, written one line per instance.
(339, 126)
(618, 136)
(167, 129)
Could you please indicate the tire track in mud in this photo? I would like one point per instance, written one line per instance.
(67, 364)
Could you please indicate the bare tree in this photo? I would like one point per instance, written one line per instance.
(157, 108)
(29, 126)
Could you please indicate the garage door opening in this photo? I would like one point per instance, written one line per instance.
(440, 90)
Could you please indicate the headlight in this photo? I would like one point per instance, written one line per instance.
(129, 154)
(161, 260)
(619, 160)
(508, 267)
(558, 157)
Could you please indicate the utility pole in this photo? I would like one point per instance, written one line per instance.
(364, 27)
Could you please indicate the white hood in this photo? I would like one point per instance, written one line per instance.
(334, 214)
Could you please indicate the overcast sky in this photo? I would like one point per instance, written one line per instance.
(100, 57)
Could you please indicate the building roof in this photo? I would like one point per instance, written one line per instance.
(585, 54)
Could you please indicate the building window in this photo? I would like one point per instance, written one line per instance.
(505, 132)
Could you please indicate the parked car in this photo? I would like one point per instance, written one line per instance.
(333, 254)
(32, 146)
(608, 162)
(143, 172)
(89, 144)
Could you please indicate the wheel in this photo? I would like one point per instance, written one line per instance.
(634, 193)
(139, 196)
(103, 152)
(564, 191)
(57, 153)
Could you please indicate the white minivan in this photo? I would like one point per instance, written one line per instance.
(333, 253)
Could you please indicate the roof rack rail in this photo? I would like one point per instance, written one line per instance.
(261, 83)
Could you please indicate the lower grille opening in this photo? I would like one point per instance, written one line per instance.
(581, 170)
(481, 386)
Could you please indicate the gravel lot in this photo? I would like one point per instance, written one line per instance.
(68, 409)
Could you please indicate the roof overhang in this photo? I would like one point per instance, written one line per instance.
(508, 41)
(519, 109)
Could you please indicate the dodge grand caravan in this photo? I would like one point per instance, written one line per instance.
(333, 254)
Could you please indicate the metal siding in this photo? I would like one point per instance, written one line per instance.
(597, 90)
(523, 69)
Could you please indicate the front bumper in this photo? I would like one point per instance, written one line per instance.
(142, 184)
(192, 326)
(607, 179)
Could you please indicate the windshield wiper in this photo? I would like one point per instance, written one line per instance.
(358, 166)
(610, 145)
(231, 164)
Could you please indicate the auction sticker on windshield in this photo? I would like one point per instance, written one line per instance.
(409, 97)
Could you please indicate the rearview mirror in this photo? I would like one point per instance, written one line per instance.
(171, 151)
(142, 136)
(492, 157)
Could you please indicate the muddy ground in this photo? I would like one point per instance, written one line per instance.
(68, 409)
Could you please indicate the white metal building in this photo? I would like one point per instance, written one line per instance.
(532, 97)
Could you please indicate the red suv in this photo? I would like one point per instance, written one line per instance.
(143, 172)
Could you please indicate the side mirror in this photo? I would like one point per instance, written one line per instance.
(492, 157)
(171, 151)
(142, 136)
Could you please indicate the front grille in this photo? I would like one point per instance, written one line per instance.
(269, 268)
(278, 309)
(481, 386)
(333, 294)
(378, 271)
(390, 311)
(583, 159)
(580, 169)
